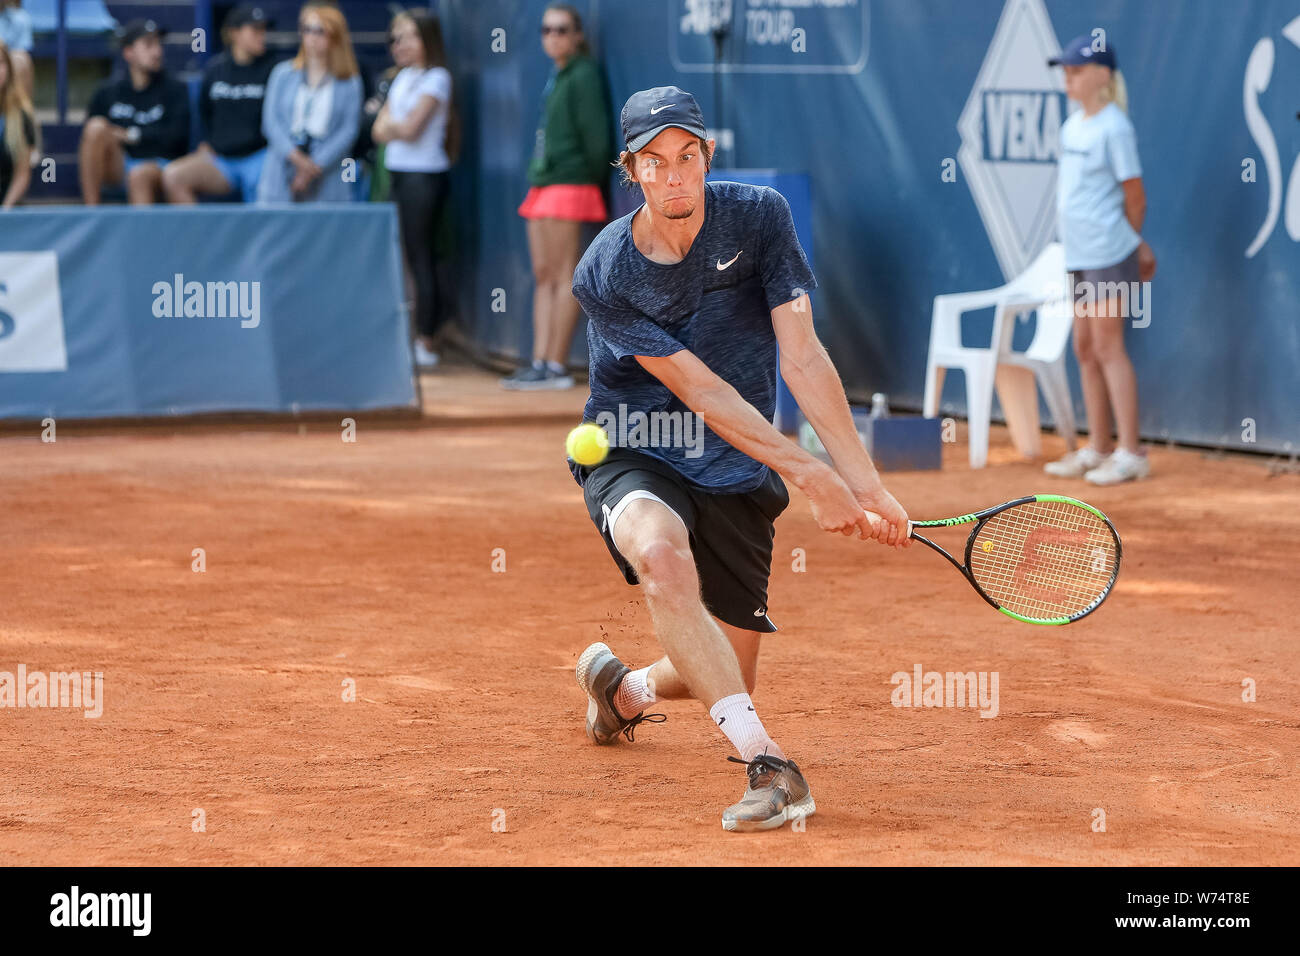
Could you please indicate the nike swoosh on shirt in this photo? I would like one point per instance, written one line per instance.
(658, 108)
(722, 265)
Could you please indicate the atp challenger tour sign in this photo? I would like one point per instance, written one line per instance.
(769, 36)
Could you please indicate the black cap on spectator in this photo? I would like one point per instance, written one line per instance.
(135, 29)
(245, 14)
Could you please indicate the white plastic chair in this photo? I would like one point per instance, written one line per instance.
(1041, 287)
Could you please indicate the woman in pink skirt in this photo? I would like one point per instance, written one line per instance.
(570, 164)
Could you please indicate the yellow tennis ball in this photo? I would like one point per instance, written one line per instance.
(587, 444)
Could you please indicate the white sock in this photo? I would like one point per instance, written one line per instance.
(555, 367)
(634, 694)
(735, 717)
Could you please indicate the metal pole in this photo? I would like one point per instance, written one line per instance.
(61, 62)
(720, 30)
(203, 20)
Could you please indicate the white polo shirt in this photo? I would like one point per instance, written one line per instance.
(1098, 153)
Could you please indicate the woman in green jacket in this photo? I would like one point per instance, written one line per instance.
(570, 165)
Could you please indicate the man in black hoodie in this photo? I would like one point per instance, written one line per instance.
(136, 123)
(233, 149)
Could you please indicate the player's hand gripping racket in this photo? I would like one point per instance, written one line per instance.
(1045, 559)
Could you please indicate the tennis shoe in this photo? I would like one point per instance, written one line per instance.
(1119, 467)
(599, 673)
(777, 792)
(1075, 464)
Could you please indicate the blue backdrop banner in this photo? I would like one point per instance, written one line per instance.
(163, 311)
(930, 134)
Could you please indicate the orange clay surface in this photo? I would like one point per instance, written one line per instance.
(372, 562)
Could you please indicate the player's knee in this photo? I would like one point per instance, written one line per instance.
(95, 130)
(665, 568)
(1084, 351)
(1108, 349)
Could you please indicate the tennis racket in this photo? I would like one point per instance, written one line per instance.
(1045, 559)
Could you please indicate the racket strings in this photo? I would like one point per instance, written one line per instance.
(1045, 559)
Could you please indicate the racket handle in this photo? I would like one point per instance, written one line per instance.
(876, 518)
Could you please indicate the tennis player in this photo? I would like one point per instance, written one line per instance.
(687, 300)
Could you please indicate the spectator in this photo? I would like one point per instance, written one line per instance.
(138, 122)
(16, 34)
(373, 92)
(312, 113)
(414, 124)
(1101, 205)
(371, 152)
(17, 134)
(233, 149)
(570, 167)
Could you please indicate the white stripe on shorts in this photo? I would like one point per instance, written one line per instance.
(613, 514)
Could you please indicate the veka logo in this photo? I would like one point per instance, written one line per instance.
(1259, 73)
(1011, 133)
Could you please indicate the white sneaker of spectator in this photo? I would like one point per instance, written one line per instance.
(425, 358)
(1120, 466)
(1075, 464)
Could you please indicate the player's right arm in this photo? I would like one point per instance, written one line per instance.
(742, 426)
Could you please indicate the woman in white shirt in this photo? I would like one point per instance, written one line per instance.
(417, 124)
(1101, 203)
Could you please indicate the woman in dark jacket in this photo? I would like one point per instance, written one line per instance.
(570, 166)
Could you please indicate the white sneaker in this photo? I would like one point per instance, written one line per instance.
(425, 358)
(1075, 464)
(1120, 466)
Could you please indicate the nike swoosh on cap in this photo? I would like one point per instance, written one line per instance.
(658, 108)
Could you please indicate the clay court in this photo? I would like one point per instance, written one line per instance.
(328, 561)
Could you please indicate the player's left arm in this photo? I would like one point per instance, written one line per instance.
(1126, 166)
(1135, 211)
(816, 386)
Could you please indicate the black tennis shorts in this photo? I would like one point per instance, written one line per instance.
(731, 535)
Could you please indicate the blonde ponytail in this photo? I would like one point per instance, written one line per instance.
(1117, 90)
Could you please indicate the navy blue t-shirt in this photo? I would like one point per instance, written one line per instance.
(717, 302)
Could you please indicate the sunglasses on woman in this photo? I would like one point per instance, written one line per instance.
(559, 31)
(312, 30)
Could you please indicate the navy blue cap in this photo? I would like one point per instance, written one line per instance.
(1079, 52)
(245, 14)
(649, 112)
(135, 29)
